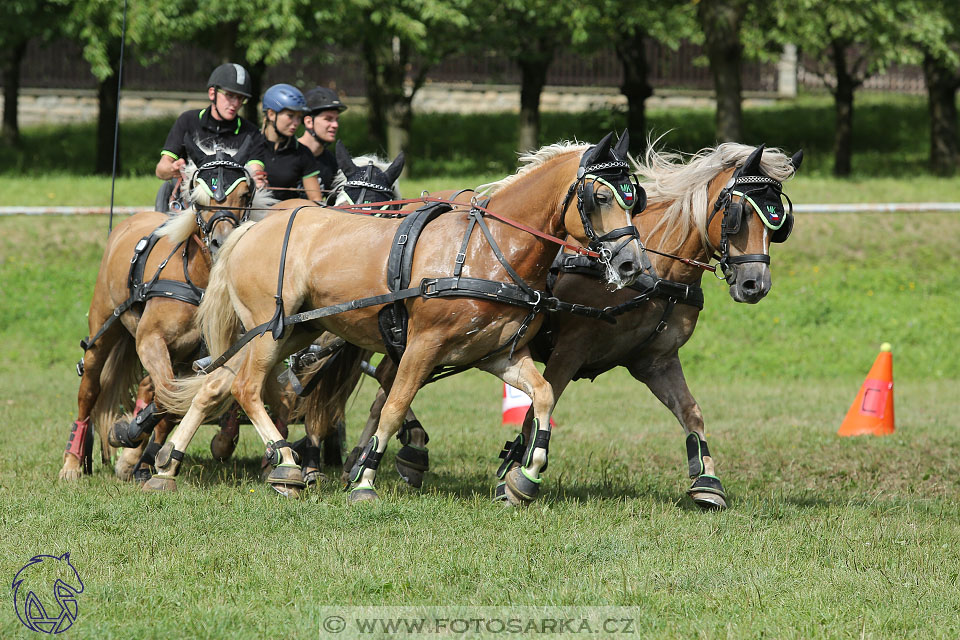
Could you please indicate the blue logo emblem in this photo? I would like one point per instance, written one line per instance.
(45, 593)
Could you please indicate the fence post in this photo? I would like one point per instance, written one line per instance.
(787, 72)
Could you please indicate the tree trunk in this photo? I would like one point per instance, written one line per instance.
(720, 21)
(252, 111)
(942, 83)
(399, 118)
(385, 63)
(11, 92)
(107, 116)
(533, 77)
(632, 53)
(843, 107)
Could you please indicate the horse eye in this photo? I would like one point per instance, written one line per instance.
(603, 198)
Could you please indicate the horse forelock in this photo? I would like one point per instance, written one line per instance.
(680, 186)
(531, 161)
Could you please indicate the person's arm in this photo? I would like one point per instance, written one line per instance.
(256, 169)
(169, 167)
(311, 185)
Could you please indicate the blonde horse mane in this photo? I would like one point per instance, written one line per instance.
(182, 225)
(684, 182)
(531, 161)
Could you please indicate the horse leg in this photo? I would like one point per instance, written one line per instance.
(286, 478)
(668, 384)
(522, 482)
(224, 441)
(213, 391)
(417, 363)
(559, 371)
(129, 457)
(77, 456)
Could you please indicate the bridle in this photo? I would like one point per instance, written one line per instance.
(733, 214)
(219, 194)
(626, 189)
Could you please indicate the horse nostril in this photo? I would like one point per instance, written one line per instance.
(750, 286)
(627, 268)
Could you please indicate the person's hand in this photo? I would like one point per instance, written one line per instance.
(260, 177)
(179, 165)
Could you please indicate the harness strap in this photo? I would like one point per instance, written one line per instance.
(477, 215)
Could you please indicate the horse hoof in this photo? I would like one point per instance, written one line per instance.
(366, 494)
(123, 469)
(69, 474)
(709, 501)
(707, 492)
(520, 488)
(222, 446)
(287, 480)
(159, 483)
(411, 464)
(313, 476)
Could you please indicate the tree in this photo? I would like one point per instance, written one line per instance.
(720, 21)
(400, 41)
(849, 40)
(20, 22)
(937, 38)
(631, 24)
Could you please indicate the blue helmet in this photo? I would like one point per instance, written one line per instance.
(284, 96)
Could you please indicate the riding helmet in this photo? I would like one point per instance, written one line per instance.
(231, 77)
(321, 99)
(283, 96)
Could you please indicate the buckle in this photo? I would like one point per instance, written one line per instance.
(461, 257)
(402, 239)
(425, 288)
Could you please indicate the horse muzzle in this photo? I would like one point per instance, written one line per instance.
(749, 282)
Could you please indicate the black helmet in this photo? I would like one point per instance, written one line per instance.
(321, 99)
(231, 77)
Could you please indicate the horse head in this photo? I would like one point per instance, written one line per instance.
(743, 238)
(220, 190)
(369, 182)
(607, 195)
(43, 575)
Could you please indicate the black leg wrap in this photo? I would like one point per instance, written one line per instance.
(168, 453)
(143, 471)
(696, 451)
(130, 434)
(707, 484)
(540, 441)
(512, 453)
(406, 429)
(369, 459)
(272, 454)
(412, 460)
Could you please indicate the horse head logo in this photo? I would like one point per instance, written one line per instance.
(45, 593)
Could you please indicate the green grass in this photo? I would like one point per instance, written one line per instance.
(825, 538)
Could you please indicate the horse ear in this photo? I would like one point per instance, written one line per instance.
(65, 556)
(345, 160)
(796, 160)
(623, 146)
(240, 157)
(393, 171)
(752, 164)
(597, 151)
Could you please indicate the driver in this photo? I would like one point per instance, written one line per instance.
(322, 121)
(216, 125)
(290, 165)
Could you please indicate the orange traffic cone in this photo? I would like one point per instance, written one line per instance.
(872, 411)
(515, 405)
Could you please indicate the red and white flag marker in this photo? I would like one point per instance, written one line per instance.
(515, 405)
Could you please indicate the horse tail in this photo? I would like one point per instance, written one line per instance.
(119, 378)
(219, 324)
(326, 406)
(218, 320)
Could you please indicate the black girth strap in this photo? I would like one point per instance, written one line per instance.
(141, 291)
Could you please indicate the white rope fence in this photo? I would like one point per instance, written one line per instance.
(867, 207)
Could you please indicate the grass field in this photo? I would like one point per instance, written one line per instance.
(825, 537)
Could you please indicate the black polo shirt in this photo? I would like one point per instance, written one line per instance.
(206, 130)
(327, 165)
(287, 166)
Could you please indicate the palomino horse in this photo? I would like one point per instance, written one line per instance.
(151, 278)
(474, 317)
(725, 203)
(682, 216)
(369, 180)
